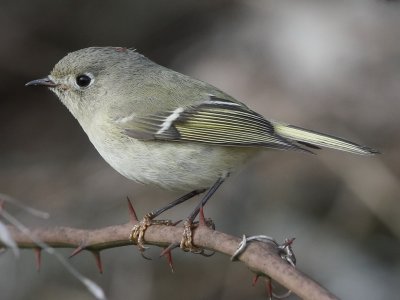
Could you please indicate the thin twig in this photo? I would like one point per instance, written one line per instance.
(260, 258)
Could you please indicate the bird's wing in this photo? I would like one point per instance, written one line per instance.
(215, 121)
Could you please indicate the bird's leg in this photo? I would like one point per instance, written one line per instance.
(137, 233)
(187, 241)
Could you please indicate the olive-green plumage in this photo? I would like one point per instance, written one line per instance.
(155, 125)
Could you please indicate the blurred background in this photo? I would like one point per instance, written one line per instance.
(332, 66)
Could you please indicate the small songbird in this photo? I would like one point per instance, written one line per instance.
(157, 126)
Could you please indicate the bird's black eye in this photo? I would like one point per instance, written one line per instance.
(83, 80)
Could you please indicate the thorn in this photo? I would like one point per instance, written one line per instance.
(255, 279)
(289, 242)
(169, 248)
(97, 258)
(202, 220)
(132, 212)
(168, 255)
(38, 258)
(77, 250)
(268, 287)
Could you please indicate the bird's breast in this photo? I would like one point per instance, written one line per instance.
(172, 165)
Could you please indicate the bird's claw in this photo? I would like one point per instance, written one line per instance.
(186, 243)
(139, 229)
(187, 238)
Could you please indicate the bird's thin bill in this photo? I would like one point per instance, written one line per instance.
(42, 82)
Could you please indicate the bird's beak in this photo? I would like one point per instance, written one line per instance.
(42, 82)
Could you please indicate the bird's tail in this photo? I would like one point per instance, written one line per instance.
(315, 139)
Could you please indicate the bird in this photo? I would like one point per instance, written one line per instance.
(160, 127)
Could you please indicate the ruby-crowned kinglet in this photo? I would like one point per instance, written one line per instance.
(154, 125)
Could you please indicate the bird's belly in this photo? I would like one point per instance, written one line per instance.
(173, 165)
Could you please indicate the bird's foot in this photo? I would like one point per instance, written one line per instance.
(186, 243)
(187, 237)
(138, 231)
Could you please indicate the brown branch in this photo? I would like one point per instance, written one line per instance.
(259, 257)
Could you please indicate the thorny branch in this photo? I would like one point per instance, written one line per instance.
(261, 258)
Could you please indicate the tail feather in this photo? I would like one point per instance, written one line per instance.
(315, 139)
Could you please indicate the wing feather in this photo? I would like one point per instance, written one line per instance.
(217, 121)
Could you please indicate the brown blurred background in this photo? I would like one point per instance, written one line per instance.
(330, 66)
